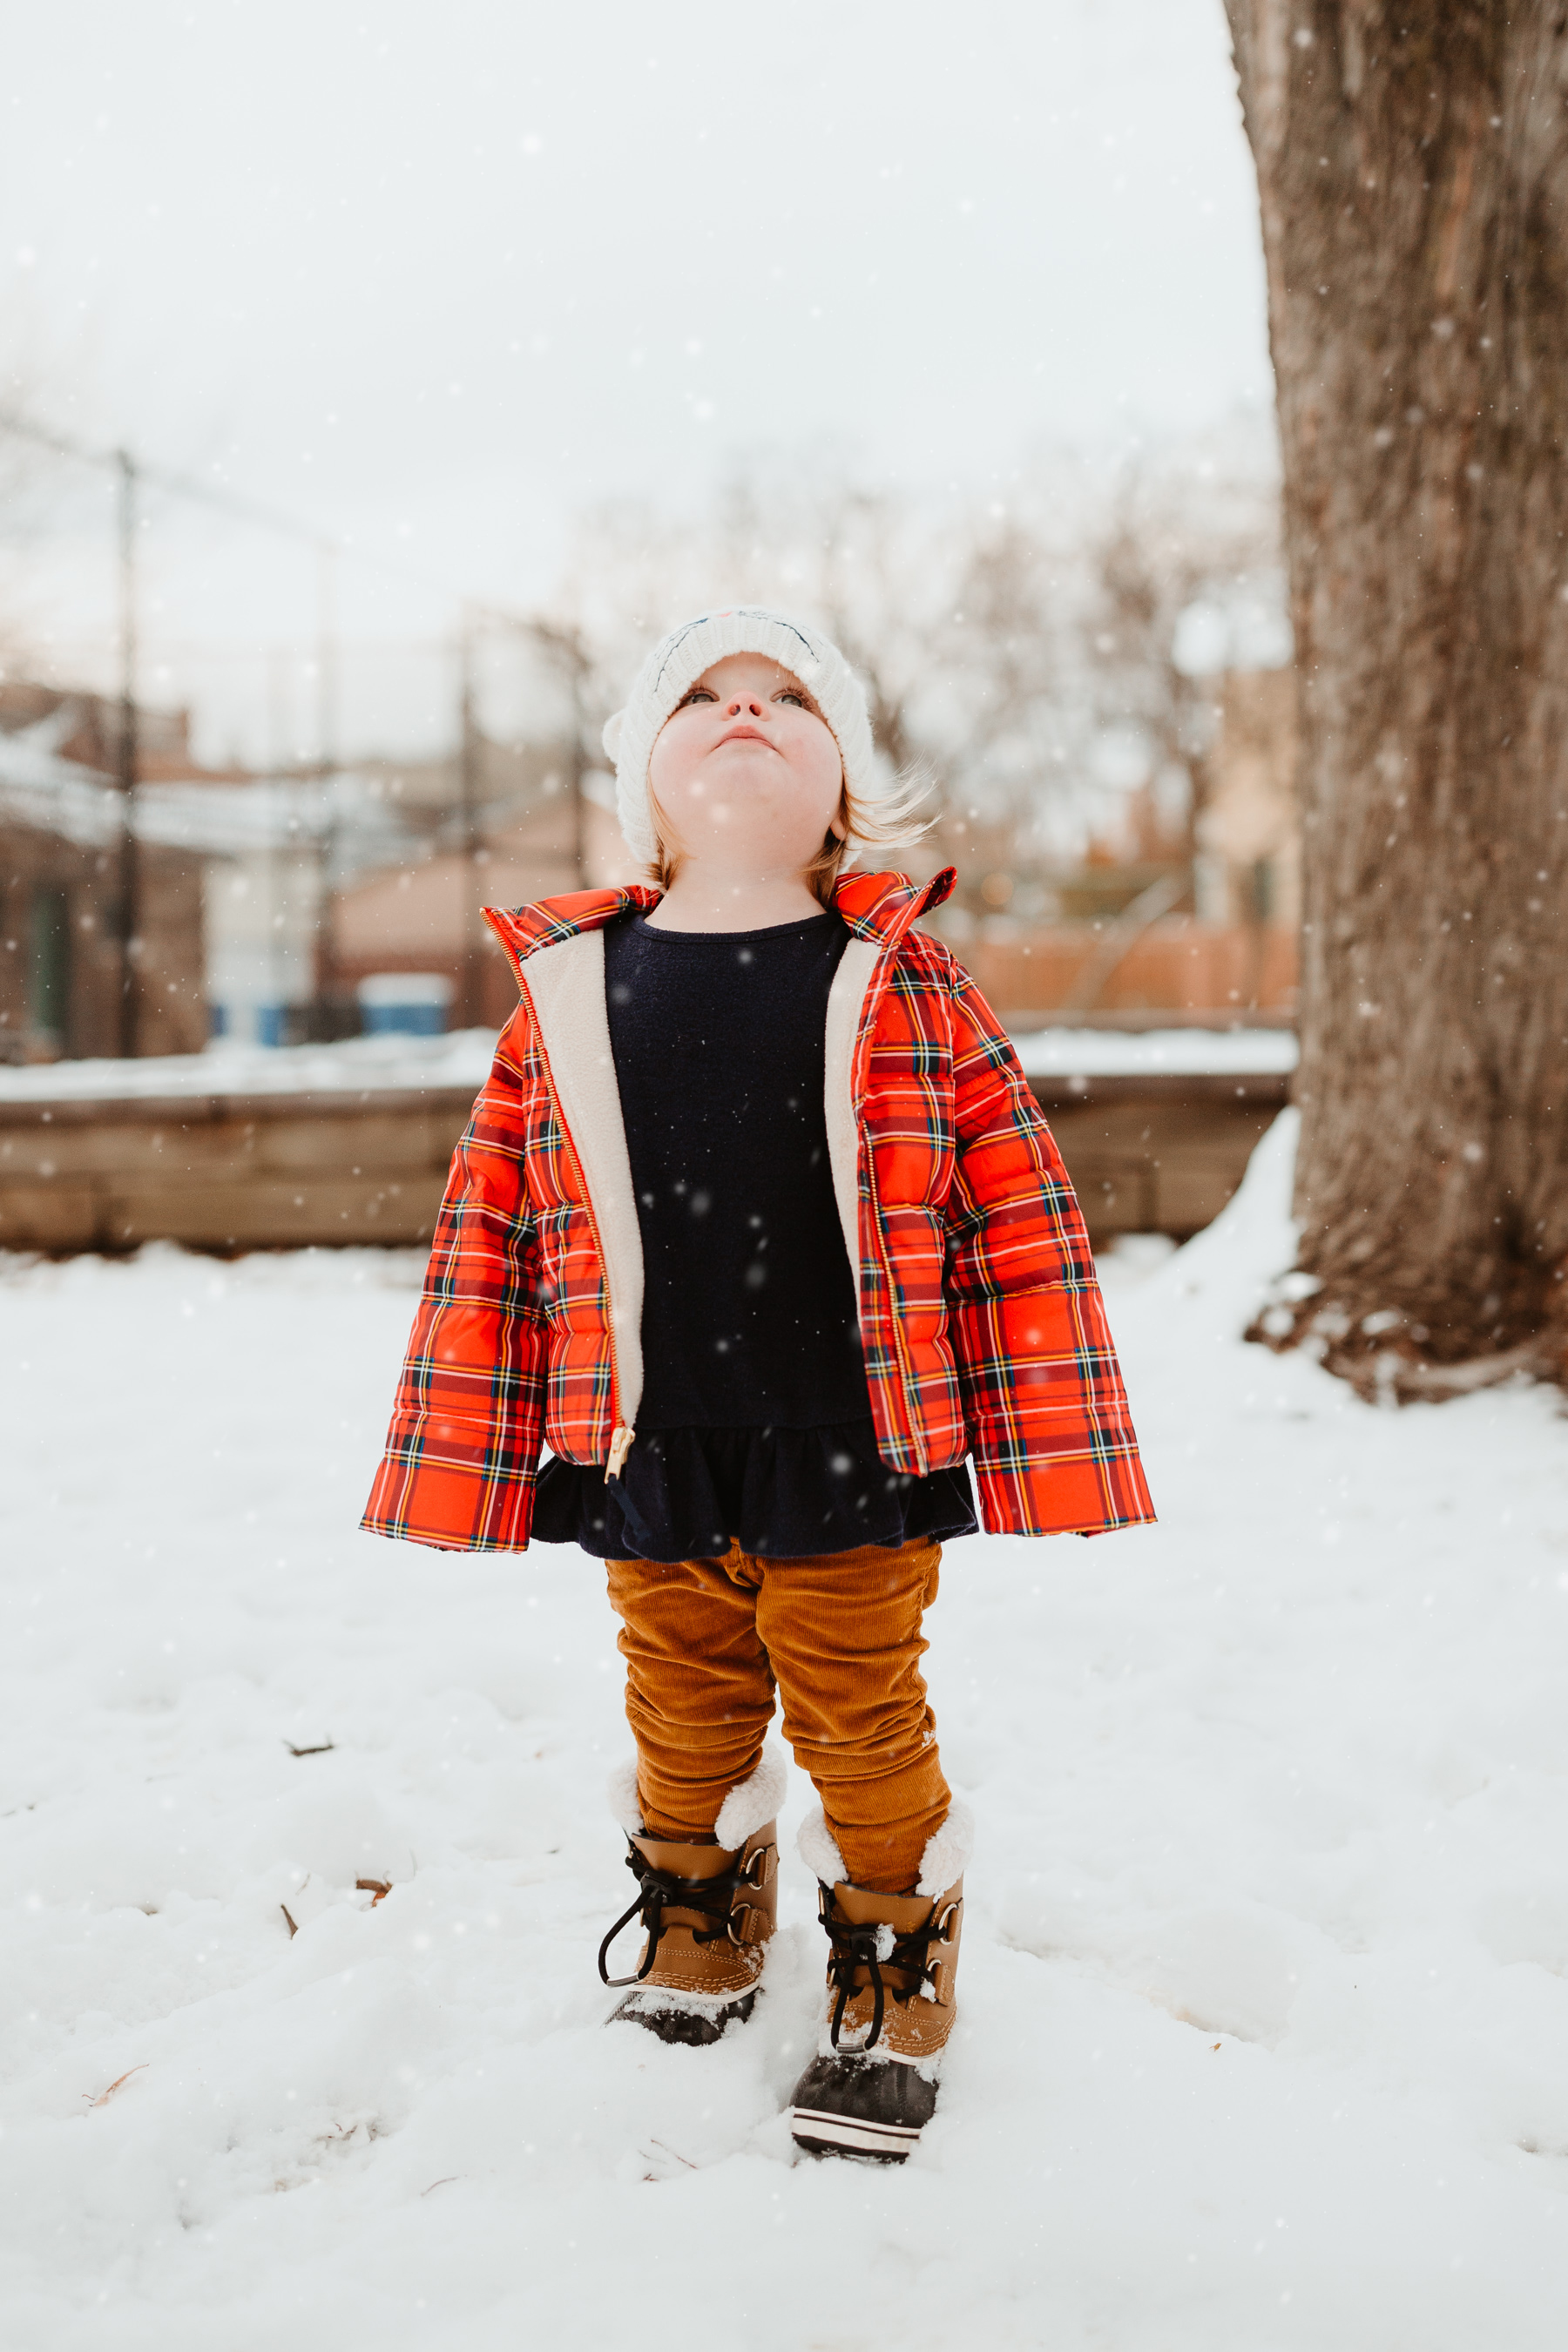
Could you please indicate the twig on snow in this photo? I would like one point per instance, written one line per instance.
(293, 1923)
(104, 2096)
(377, 1889)
(322, 1748)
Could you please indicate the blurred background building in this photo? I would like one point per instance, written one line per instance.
(268, 900)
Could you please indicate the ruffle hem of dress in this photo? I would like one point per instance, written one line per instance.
(780, 1494)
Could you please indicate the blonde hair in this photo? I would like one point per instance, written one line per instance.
(888, 823)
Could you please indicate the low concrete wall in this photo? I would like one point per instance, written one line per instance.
(227, 1172)
(1158, 1153)
(231, 1172)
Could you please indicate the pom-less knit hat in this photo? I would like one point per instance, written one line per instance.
(676, 664)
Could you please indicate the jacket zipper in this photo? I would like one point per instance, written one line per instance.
(620, 1437)
(911, 1416)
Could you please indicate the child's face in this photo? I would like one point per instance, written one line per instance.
(746, 770)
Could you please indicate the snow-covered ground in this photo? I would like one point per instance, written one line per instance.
(1265, 2031)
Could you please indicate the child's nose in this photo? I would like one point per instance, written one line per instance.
(744, 702)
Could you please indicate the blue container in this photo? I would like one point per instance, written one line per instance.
(250, 1024)
(403, 1020)
(404, 1004)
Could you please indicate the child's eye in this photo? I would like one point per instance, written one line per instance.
(789, 694)
(698, 694)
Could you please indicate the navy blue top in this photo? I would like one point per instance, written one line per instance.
(755, 1420)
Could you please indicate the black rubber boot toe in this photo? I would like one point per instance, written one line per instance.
(873, 2108)
(662, 2014)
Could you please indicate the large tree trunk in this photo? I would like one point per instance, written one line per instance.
(1413, 164)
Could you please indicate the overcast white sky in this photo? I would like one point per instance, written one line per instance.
(439, 276)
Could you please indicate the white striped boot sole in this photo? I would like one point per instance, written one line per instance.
(814, 2128)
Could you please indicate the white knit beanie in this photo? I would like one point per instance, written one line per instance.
(676, 664)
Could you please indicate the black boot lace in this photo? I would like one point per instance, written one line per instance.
(714, 1897)
(872, 1948)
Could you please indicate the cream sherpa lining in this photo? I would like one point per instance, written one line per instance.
(846, 1004)
(566, 983)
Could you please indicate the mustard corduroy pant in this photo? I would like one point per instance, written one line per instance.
(707, 1641)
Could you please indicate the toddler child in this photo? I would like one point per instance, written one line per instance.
(757, 1225)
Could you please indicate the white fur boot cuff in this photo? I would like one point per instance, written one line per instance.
(749, 1806)
(947, 1852)
(621, 1789)
(944, 1863)
(752, 1803)
(818, 1850)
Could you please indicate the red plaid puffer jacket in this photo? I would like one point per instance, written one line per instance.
(983, 1326)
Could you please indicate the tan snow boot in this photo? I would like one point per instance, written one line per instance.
(892, 1963)
(891, 1976)
(707, 1913)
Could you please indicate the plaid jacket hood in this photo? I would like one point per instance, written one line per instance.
(981, 1322)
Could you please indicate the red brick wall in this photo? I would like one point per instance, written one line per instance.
(1179, 963)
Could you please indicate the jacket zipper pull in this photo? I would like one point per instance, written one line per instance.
(620, 1446)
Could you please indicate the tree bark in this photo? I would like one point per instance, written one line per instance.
(1412, 170)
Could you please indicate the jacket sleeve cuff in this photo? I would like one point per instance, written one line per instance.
(1077, 1497)
(446, 1488)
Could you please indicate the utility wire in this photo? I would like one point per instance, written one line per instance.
(177, 485)
(244, 508)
